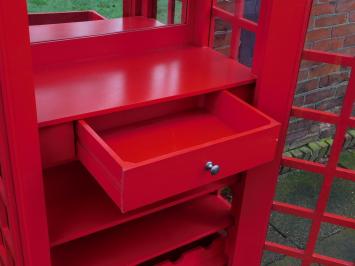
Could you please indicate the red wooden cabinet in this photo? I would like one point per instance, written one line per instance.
(119, 134)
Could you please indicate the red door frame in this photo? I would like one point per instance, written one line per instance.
(21, 189)
(20, 155)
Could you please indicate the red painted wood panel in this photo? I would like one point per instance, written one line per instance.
(146, 238)
(109, 45)
(57, 144)
(67, 92)
(78, 207)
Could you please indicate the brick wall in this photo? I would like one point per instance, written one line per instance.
(321, 86)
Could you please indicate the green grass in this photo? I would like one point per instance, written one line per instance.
(108, 8)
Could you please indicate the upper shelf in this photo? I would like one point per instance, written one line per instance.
(71, 91)
(60, 31)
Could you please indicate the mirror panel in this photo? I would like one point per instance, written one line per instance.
(61, 19)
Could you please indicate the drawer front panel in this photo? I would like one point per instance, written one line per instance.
(155, 181)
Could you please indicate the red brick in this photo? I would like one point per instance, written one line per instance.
(352, 16)
(298, 100)
(306, 64)
(311, 23)
(344, 30)
(322, 70)
(335, 19)
(349, 41)
(345, 5)
(341, 91)
(303, 75)
(332, 105)
(334, 79)
(329, 45)
(307, 86)
(320, 34)
(348, 50)
(318, 96)
(308, 45)
(322, 9)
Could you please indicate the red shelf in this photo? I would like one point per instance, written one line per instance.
(79, 29)
(77, 90)
(213, 255)
(143, 239)
(77, 206)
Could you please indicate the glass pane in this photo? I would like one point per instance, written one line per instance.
(299, 187)
(222, 36)
(246, 48)
(347, 156)
(252, 9)
(309, 140)
(331, 27)
(322, 86)
(288, 230)
(275, 259)
(228, 5)
(338, 243)
(342, 198)
(107, 14)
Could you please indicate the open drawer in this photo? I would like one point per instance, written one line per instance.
(144, 155)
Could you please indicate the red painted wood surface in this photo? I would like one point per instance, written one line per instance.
(66, 92)
(53, 151)
(124, 43)
(63, 17)
(143, 239)
(176, 146)
(21, 173)
(278, 71)
(78, 207)
(62, 31)
(212, 255)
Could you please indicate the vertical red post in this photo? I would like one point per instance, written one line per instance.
(183, 11)
(149, 8)
(127, 8)
(274, 95)
(200, 13)
(171, 11)
(19, 149)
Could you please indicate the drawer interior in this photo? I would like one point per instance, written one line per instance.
(139, 135)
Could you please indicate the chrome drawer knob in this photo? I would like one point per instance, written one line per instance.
(213, 168)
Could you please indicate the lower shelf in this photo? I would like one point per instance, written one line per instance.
(77, 206)
(213, 255)
(145, 238)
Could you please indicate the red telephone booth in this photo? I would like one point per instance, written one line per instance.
(117, 135)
